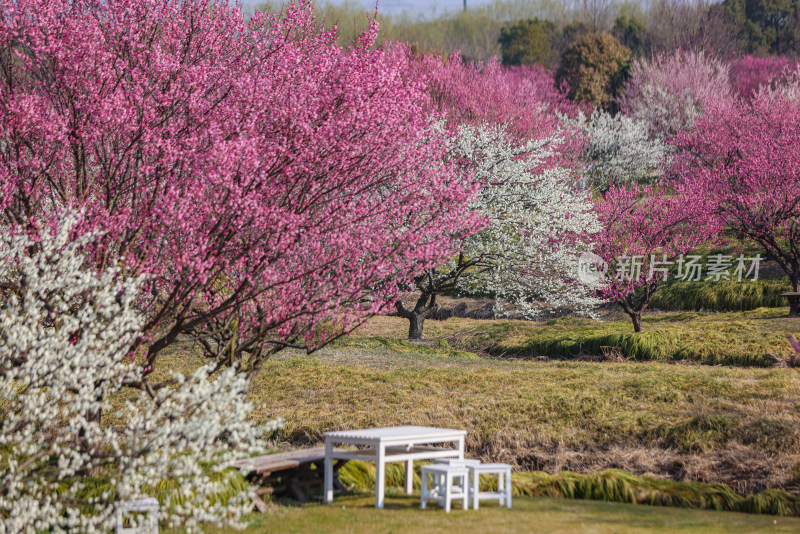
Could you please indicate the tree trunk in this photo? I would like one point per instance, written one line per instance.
(793, 302)
(426, 305)
(415, 324)
(636, 317)
(633, 310)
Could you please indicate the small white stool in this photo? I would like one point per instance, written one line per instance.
(466, 462)
(445, 487)
(503, 493)
(147, 506)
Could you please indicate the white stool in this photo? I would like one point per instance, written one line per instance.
(503, 493)
(147, 506)
(445, 486)
(466, 462)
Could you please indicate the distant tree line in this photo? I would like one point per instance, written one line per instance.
(540, 31)
(726, 28)
(590, 44)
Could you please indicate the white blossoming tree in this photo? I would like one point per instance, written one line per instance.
(538, 223)
(65, 338)
(618, 150)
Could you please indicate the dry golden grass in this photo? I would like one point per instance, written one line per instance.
(735, 425)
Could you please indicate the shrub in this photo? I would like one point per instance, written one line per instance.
(631, 32)
(722, 296)
(594, 69)
(527, 42)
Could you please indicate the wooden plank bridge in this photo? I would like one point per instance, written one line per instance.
(299, 472)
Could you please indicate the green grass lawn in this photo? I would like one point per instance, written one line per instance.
(356, 514)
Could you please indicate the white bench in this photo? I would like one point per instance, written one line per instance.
(147, 506)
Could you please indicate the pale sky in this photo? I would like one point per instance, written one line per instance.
(413, 7)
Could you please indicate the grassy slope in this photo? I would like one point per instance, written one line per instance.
(357, 514)
(507, 404)
(735, 425)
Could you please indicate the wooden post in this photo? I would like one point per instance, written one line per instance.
(794, 300)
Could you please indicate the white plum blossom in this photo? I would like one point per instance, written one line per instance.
(65, 359)
(539, 222)
(618, 150)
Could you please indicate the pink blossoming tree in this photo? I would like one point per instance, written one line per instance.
(669, 92)
(644, 231)
(524, 98)
(749, 73)
(743, 161)
(271, 188)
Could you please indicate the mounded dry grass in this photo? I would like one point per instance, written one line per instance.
(690, 408)
(722, 296)
(741, 338)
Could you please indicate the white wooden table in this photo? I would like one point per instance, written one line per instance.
(391, 444)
